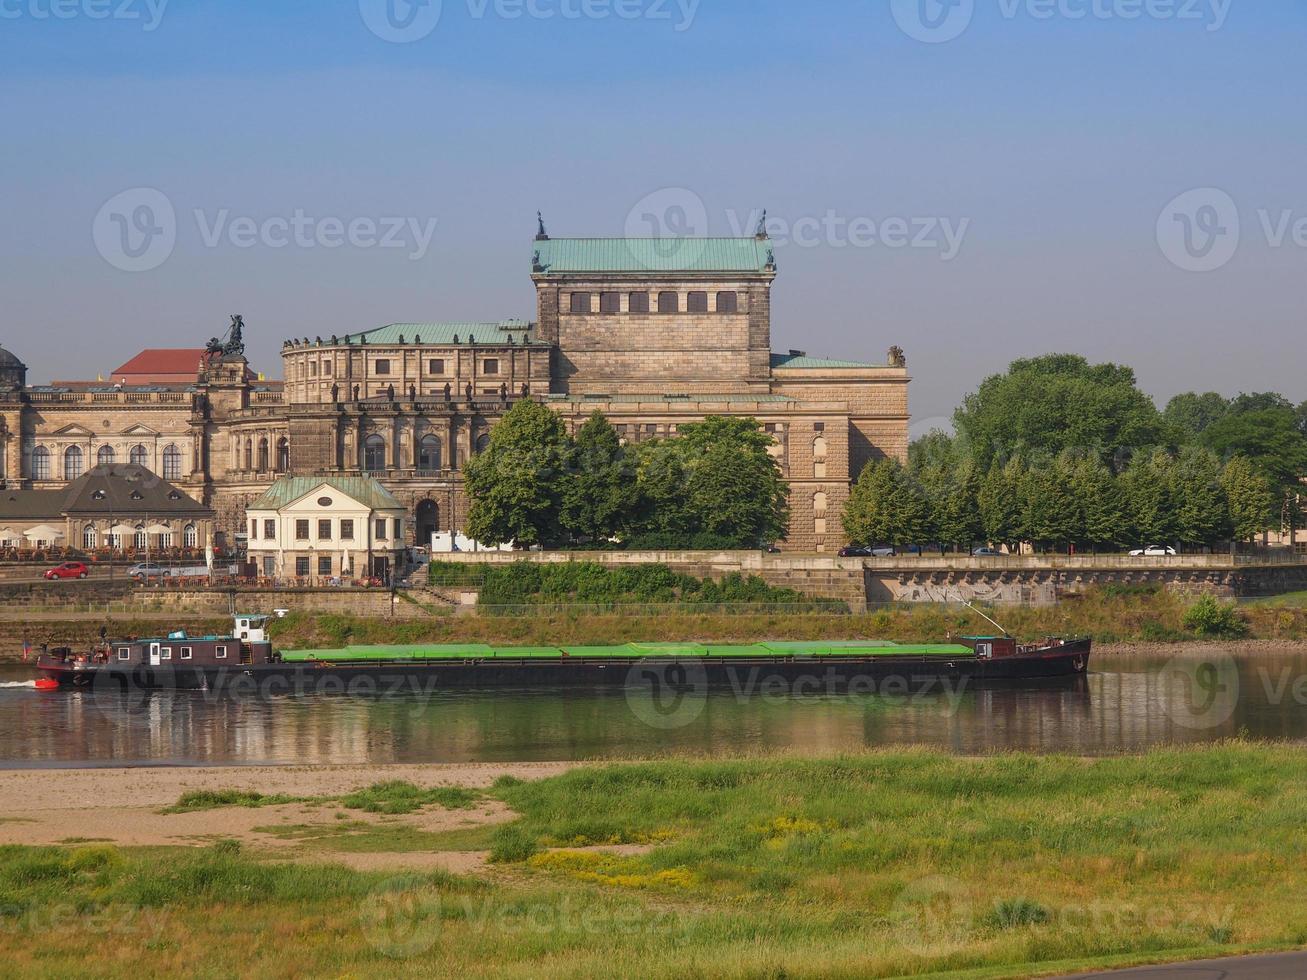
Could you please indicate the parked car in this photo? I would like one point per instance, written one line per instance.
(69, 569)
(866, 551)
(986, 553)
(1154, 551)
(142, 572)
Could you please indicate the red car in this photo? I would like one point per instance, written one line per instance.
(69, 569)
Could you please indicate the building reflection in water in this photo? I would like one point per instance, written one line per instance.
(1126, 705)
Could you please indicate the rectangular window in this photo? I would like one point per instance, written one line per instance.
(313, 370)
(186, 653)
(324, 529)
(269, 566)
(269, 529)
(818, 426)
(728, 302)
(436, 366)
(124, 653)
(610, 302)
(326, 369)
(819, 526)
(698, 302)
(166, 654)
(669, 302)
(580, 302)
(399, 529)
(381, 367)
(302, 567)
(254, 530)
(302, 529)
(638, 303)
(347, 530)
(219, 653)
(324, 566)
(381, 527)
(490, 366)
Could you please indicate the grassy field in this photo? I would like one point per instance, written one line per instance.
(1111, 616)
(883, 864)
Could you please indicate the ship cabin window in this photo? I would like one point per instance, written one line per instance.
(220, 653)
(167, 653)
(186, 652)
(124, 653)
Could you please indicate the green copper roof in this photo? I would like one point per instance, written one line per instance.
(653, 255)
(500, 332)
(715, 397)
(804, 362)
(289, 489)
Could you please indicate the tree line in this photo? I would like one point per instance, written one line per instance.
(714, 485)
(1062, 453)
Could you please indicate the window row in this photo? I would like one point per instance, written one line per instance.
(669, 301)
(259, 455)
(74, 461)
(304, 527)
(140, 540)
(383, 366)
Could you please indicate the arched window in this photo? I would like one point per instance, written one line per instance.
(263, 455)
(283, 455)
(249, 454)
(483, 442)
(72, 462)
(669, 302)
(172, 463)
(89, 538)
(728, 302)
(697, 302)
(138, 456)
(40, 463)
(819, 448)
(429, 454)
(191, 536)
(374, 454)
(141, 537)
(105, 457)
(819, 503)
(638, 303)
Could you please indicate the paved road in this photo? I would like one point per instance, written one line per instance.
(1275, 966)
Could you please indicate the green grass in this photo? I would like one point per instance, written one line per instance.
(216, 799)
(397, 796)
(880, 864)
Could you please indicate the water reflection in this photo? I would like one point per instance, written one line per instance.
(1126, 705)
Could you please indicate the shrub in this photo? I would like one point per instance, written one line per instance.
(1210, 618)
(512, 843)
(1016, 912)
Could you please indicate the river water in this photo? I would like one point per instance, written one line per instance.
(1126, 704)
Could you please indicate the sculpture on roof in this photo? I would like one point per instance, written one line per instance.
(234, 343)
(897, 358)
(761, 233)
(541, 234)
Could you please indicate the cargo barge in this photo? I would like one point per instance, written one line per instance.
(246, 662)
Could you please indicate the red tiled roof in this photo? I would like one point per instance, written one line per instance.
(163, 361)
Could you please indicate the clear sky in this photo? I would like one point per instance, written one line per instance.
(976, 180)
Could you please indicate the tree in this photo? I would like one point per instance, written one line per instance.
(1190, 414)
(1148, 491)
(1263, 428)
(599, 493)
(999, 502)
(516, 484)
(1049, 515)
(1202, 515)
(1250, 499)
(1101, 516)
(1057, 402)
(886, 506)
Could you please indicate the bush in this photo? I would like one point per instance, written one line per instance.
(1016, 912)
(512, 844)
(1210, 618)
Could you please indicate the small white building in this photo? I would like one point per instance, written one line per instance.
(317, 529)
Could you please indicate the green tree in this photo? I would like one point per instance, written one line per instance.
(516, 484)
(1057, 402)
(1263, 428)
(1101, 515)
(999, 502)
(1148, 492)
(1190, 414)
(1250, 499)
(1202, 512)
(1049, 514)
(886, 506)
(599, 493)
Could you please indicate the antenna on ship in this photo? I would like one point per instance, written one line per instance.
(993, 622)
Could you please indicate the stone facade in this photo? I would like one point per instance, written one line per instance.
(619, 327)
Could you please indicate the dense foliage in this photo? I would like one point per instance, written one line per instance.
(714, 485)
(1063, 454)
(527, 583)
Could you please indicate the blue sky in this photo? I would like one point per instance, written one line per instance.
(1049, 138)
